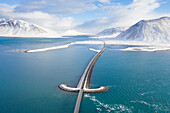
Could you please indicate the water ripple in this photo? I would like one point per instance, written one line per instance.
(102, 107)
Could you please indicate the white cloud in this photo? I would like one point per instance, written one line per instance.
(104, 1)
(120, 15)
(61, 7)
(58, 6)
(94, 26)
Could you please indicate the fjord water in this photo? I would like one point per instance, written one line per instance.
(138, 82)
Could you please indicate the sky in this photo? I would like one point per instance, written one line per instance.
(87, 16)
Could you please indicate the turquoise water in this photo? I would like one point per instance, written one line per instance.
(139, 82)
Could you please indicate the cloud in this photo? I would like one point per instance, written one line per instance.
(56, 14)
(50, 21)
(49, 13)
(58, 6)
(104, 1)
(94, 26)
(122, 15)
(61, 7)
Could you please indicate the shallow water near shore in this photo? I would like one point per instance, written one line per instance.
(137, 81)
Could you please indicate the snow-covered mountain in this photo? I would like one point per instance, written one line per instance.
(72, 33)
(19, 28)
(112, 31)
(154, 31)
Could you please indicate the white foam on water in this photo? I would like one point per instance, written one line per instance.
(158, 107)
(102, 107)
(141, 102)
(99, 109)
(148, 92)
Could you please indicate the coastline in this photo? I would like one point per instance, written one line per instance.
(147, 47)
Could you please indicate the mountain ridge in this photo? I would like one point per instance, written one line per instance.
(111, 31)
(20, 28)
(154, 31)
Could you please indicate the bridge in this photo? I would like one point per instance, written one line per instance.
(83, 85)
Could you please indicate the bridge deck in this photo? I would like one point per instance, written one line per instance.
(84, 82)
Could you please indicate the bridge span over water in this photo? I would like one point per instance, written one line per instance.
(84, 82)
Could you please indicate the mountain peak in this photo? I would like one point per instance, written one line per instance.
(20, 28)
(155, 31)
(155, 20)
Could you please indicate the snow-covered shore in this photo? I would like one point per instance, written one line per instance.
(95, 50)
(145, 46)
(147, 49)
(47, 49)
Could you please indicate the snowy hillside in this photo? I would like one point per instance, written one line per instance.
(154, 31)
(112, 31)
(19, 28)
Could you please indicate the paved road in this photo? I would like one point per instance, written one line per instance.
(84, 80)
(77, 107)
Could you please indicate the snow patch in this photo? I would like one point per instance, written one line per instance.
(72, 33)
(47, 49)
(88, 42)
(94, 50)
(147, 49)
